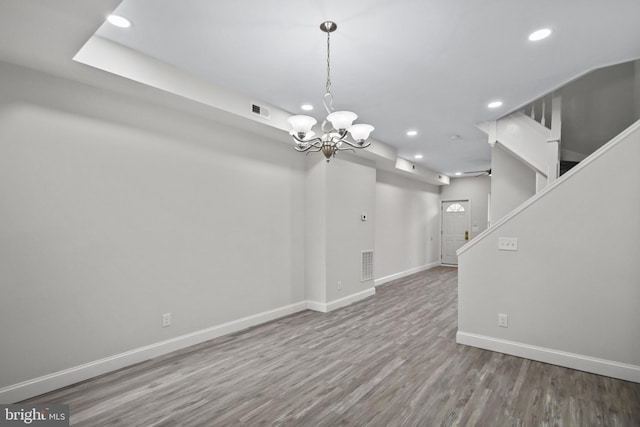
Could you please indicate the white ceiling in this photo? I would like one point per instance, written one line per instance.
(429, 65)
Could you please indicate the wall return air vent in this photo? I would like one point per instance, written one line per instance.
(366, 266)
(260, 110)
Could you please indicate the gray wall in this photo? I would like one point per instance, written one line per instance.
(476, 190)
(113, 211)
(407, 225)
(598, 106)
(512, 182)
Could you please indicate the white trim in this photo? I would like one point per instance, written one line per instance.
(339, 303)
(580, 362)
(392, 277)
(56, 380)
(551, 187)
(317, 306)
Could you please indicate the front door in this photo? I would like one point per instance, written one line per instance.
(455, 229)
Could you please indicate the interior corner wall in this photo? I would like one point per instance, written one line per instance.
(315, 241)
(475, 189)
(407, 228)
(512, 182)
(114, 211)
(350, 193)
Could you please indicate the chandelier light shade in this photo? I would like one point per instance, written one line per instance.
(338, 125)
(301, 125)
(342, 120)
(360, 132)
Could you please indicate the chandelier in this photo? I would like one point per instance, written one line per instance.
(336, 127)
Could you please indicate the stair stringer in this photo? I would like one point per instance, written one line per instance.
(572, 288)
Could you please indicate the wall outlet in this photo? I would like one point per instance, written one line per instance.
(503, 320)
(507, 243)
(166, 320)
(339, 285)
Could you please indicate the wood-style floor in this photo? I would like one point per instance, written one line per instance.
(390, 360)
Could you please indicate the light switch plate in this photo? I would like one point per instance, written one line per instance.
(507, 243)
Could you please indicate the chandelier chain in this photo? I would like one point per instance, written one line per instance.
(328, 87)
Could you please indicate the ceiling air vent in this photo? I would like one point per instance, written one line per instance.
(260, 111)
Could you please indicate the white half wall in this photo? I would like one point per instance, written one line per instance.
(571, 290)
(407, 228)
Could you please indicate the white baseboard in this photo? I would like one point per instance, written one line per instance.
(34, 387)
(342, 302)
(44, 384)
(579, 362)
(386, 279)
(317, 306)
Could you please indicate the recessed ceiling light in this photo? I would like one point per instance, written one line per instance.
(458, 173)
(418, 156)
(412, 132)
(456, 136)
(119, 21)
(494, 104)
(540, 34)
(307, 107)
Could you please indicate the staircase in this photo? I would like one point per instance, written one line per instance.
(569, 282)
(533, 136)
(553, 133)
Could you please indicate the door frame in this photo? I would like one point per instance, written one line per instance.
(442, 202)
